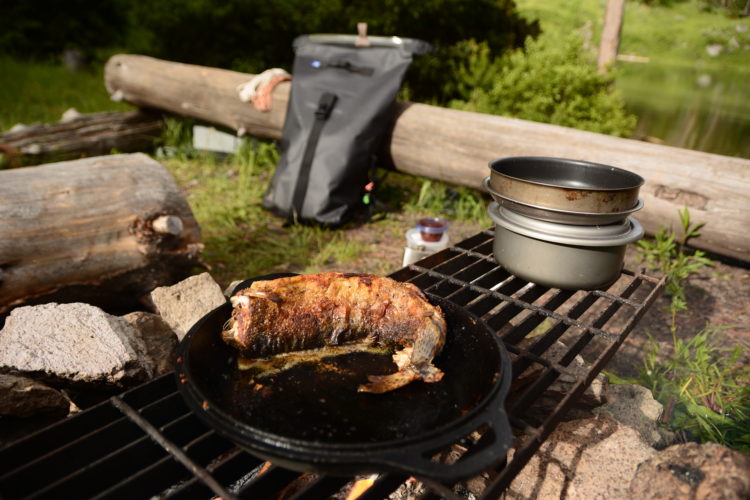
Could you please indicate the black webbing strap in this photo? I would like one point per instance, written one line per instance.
(325, 106)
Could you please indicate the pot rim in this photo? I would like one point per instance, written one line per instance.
(607, 235)
(496, 165)
(559, 215)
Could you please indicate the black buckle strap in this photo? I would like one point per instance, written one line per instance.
(326, 104)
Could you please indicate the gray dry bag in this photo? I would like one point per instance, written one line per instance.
(341, 104)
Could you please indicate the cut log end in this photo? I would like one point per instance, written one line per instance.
(168, 224)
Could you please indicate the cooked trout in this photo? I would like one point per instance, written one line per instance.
(330, 309)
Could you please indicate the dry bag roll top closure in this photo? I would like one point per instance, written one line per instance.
(340, 108)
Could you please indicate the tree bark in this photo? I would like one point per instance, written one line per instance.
(87, 135)
(98, 230)
(456, 146)
(610, 42)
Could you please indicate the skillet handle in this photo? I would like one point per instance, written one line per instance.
(476, 460)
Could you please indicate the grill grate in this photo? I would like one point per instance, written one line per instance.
(146, 442)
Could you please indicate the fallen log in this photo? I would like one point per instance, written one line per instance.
(104, 230)
(84, 135)
(455, 146)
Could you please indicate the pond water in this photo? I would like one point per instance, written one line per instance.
(693, 108)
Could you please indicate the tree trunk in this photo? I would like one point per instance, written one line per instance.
(86, 135)
(92, 230)
(610, 42)
(455, 146)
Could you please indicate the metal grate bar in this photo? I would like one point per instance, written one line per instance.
(68, 459)
(99, 474)
(147, 443)
(175, 451)
(45, 441)
(520, 304)
(150, 481)
(229, 468)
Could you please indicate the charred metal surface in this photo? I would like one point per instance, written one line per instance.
(147, 443)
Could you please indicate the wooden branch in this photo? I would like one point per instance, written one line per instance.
(610, 42)
(456, 146)
(86, 135)
(93, 229)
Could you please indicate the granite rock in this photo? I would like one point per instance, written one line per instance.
(692, 470)
(72, 344)
(583, 459)
(158, 337)
(25, 397)
(634, 405)
(183, 304)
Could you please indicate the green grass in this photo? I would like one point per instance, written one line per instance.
(705, 389)
(41, 92)
(682, 96)
(668, 254)
(242, 239)
(677, 34)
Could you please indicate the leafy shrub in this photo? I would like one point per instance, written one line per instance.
(252, 35)
(551, 81)
(44, 28)
(667, 254)
(705, 390)
(732, 8)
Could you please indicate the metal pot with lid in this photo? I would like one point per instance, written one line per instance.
(561, 255)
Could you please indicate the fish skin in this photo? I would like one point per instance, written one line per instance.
(325, 309)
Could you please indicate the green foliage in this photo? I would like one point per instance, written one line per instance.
(177, 139)
(241, 239)
(44, 28)
(668, 255)
(252, 35)
(41, 92)
(473, 68)
(552, 81)
(705, 389)
(732, 8)
(456, 203)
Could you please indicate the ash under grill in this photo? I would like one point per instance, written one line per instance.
(146, 442)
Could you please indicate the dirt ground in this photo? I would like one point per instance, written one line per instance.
(718, 296)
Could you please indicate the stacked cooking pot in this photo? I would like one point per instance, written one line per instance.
(563, 223)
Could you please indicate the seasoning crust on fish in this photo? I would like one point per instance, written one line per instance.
(328, 309)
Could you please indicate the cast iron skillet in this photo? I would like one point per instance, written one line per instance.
(311, 418)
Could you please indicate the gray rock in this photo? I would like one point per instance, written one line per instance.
(704, 80)
(158, 337)
(583, 459)
(72, 344)
(634, 405)
(183, 304)
(714, 49)
(692, 470)
(24, 397)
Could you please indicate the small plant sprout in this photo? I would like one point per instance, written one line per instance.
(668, 255)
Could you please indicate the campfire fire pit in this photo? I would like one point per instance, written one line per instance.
(147, 442)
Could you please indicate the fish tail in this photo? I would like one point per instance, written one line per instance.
(384, 383)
